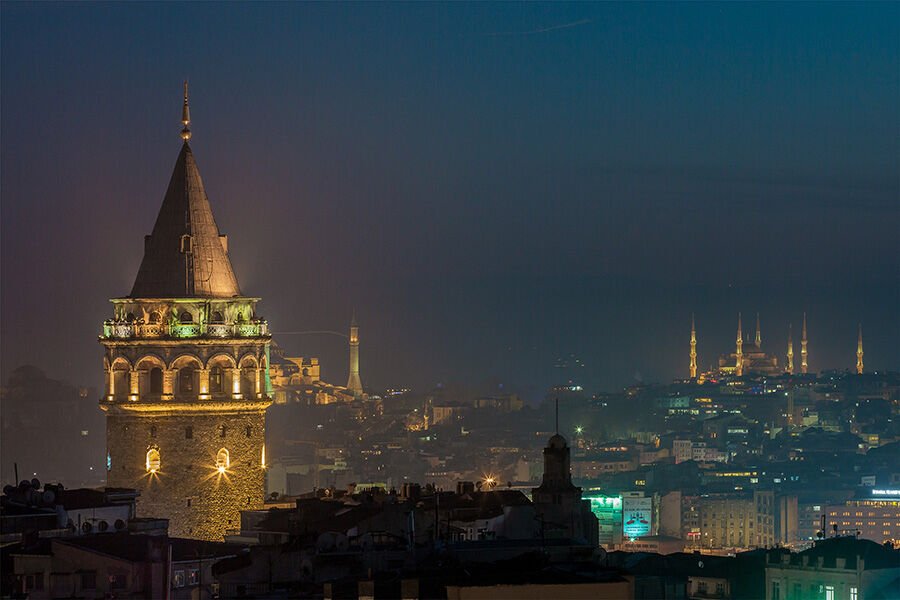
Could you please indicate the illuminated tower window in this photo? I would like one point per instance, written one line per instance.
(153, 459)
(215, 380)
(222, 430)
(186, 317)
(223, 460)
(154, 317)
(186, 379)
(186, 244)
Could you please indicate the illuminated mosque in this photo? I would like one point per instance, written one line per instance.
(749, 358)
(298, 379)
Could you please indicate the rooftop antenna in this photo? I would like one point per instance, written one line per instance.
(557, 416)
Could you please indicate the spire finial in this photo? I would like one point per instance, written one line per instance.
(758, 336)
(186, 116)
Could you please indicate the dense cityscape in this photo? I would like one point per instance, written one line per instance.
(209, 460)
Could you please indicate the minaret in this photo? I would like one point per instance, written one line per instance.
(803, 353)
(859, 353)
(758, 336)
(739, 363)
(790, 352)
(354, 384)
(693, 349)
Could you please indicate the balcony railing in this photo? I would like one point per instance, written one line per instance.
(130, 329)
(220, 330)
(183, 330)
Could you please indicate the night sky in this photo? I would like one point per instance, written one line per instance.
(490, 186)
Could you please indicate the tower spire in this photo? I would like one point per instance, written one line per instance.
(803, 353)
(693, 349)
(739, 363)
(185, 116)
(790, 351)
(758, 336)
(859, 352)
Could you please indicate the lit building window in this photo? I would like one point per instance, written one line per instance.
(186, 379)
(153, 460)
(223, 460)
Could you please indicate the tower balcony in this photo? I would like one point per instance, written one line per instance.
(128, 330)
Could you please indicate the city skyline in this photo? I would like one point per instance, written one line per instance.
(462, 259)
(450, 300)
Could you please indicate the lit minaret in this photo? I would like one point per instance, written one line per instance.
(790, 352)
(803, 353)
(739, 364)
(354, 384)
(758, 336)
(859, 353)
(693, 349)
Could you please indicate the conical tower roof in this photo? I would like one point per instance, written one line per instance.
(185, 257)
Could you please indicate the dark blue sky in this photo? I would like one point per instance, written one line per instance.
(490, 185)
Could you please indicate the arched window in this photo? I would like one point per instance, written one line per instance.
(153, 461)
(216, 317)
(186, 244)
(186, 317)
(222, 430)
(156, 380)
(223, 460)
(153, 431)
(153, 317)
(216, 385)
(130, 317)
(186, 379)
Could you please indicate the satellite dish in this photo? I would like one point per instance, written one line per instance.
(700, 563)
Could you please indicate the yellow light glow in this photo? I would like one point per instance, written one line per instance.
(221, 469)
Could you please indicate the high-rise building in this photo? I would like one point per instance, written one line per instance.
(354, 383)
(186, 359)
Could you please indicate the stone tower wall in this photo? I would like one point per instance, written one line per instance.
(188, 490)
